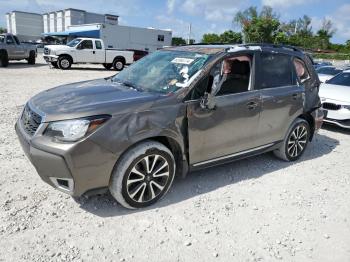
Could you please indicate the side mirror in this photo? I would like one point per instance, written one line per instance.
(326, 81)
(79, 47)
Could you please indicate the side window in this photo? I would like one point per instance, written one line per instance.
(161, 38)
(98, 44)
(9, 40)
(86, 44)
(276, 70)
(236, 73)
(16, 40)
(301, 70)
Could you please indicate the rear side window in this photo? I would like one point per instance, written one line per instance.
(98, 44)
(301, 70)
(276, 70)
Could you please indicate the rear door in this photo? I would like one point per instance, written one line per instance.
(99, 52)
(11, 47)
(85, 52)
(282, 96)
(20, 49)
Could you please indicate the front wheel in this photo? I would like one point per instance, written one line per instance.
(4, 60)
(143, 175)
(64, 62)
(295, 142)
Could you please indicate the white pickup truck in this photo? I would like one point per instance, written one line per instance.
(87, 50)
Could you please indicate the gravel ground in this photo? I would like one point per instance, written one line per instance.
(258, 209)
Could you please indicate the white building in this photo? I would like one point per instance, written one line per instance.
(27, 26)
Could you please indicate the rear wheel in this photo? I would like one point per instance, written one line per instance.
(4, 60)
(295, 142)
(31, 59)
(64, 62)
(143, 175)
(107, 66)
(118, 64)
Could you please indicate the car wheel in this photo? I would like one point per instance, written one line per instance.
(118, 64)
(295, 142)
(4, 60)
(31, 59)
(54, 64)
(107, 66)
(64, 62)
(143, 175)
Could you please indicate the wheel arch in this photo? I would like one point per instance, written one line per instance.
(3, 51)
(308, 117)
(67, 55)
(122, 58)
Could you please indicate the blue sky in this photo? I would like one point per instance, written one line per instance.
(204, 15)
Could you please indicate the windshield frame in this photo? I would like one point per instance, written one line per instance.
(75, 39)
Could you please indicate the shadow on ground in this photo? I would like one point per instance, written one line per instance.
(210, 179)
(21, 65)
(337, 129)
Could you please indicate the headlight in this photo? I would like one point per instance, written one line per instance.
(75, 129)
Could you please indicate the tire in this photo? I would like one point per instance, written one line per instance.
(118, 64)
(4, 60)
(54, 64)
(31, 59)
(107, 66)
(64, 62)
(295, 142)
(147, 187)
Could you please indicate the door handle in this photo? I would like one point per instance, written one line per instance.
(93, 52)
(251, 105)
(295, 96)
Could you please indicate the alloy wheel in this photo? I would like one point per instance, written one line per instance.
(148, 178)
(297, 141)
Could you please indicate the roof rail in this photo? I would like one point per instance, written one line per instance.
(273, 46)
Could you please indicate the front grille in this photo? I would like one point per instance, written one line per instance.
(46, 51)
(331, 106)
(30, 120)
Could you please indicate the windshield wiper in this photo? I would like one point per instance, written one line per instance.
(128, 84)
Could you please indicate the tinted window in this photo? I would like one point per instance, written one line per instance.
(342, 79)
(16, 39)
(328, 70)
(9, 40)
(86, 44)
(276, 70)
(98, 44)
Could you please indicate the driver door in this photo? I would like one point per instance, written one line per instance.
(85, 52)
(227, 130)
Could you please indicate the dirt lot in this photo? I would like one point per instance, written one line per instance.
(259, 209)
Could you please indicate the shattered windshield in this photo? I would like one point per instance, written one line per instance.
(163, 71)
(74, 42)
(2, 38)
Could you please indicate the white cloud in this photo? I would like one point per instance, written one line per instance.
(215, 11)
(284, 3)
(171, 6)
(341, 21)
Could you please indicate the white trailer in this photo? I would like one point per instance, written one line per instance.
(125, 37)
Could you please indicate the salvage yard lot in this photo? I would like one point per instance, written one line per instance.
(258, 209)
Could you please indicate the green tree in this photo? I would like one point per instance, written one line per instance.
(258, 27)
(3, 30)
(325, 33)
(230, 37)
(211, 38)
(178, 41)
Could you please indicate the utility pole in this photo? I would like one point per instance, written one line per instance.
(189, 33)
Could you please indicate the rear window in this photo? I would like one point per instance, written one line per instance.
(276, 70)
(98, 44)
(342, 79)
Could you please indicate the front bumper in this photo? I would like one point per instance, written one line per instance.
(339, 116)
(50, 58)
(340, 123)
(73, 168)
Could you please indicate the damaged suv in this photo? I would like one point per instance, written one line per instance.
(175, 110)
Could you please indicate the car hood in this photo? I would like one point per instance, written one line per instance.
(89, 98)
(59, 47)
(335, 92)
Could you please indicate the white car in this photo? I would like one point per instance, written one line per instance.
(335, 98)
(327, 72)
(87, 50)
